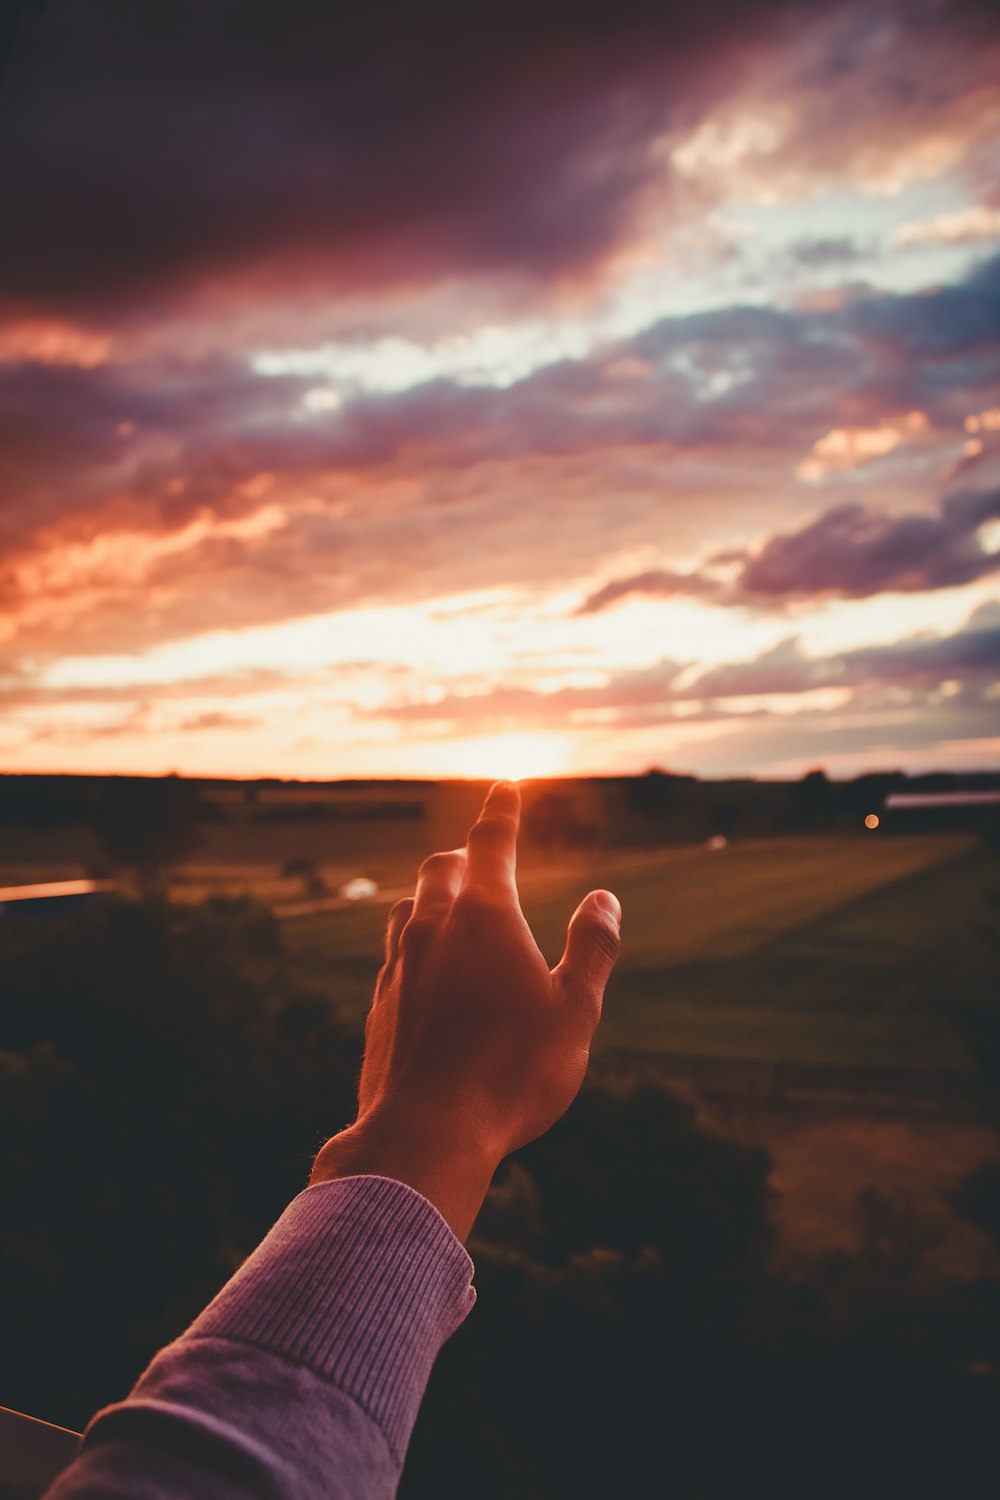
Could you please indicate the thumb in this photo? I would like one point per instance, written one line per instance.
(592, 948)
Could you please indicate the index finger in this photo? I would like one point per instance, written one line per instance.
(492, 842)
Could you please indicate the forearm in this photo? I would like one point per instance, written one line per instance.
(303, 1377)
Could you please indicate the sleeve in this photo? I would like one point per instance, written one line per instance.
(303, 1377)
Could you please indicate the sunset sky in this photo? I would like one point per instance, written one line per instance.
(515, 387)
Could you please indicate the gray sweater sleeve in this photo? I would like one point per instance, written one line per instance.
(303, 1377)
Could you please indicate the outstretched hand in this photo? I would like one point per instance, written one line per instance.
(473, 1046)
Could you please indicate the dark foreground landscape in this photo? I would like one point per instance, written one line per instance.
(761, 1252)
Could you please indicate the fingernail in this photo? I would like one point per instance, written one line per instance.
(610, 906)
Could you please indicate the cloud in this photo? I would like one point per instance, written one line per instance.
(155, 497)
(659, 583)
(738, 374)
(977, 222)
(667, 691)
(300, 153)
(22, 690)
(948, 321)
(851, 101)
(818, 252)
(969, 655)
(849, 552)
(216, 720)
(381, 147)
(505, 706)
(327, 310)
(852, 552)
(893, 703)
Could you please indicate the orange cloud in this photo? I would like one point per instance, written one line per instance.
(49, 341)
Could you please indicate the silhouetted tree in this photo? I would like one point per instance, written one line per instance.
(164, 1083)
(657, 793)
(726, 817)
(978, 1195)
(552, 821)
(812, 798)
(619, 1260)
(145, 826)
(867, 793)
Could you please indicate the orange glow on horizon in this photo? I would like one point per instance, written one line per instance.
(515, 756)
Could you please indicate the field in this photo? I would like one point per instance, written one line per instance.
(835, 951)
(806, 993)
(796, 950)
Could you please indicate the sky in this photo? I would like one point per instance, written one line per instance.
(524, 388)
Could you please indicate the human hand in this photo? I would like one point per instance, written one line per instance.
(473, 1047)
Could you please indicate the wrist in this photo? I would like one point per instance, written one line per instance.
(450, 1170)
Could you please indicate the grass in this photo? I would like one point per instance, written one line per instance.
(689, 905)
(879, 980)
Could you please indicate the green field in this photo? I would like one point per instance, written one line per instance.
(844, 951)
(837, 950)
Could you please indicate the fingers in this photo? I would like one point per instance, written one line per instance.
(492, 842)
(438, 883)
(592, 947)
(398, 918)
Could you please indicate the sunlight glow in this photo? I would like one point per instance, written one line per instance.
(513, 757)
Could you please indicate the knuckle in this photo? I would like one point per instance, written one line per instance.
(474, 902)
(400, 911)
(416, 933)
(437, 864)
(605, 938)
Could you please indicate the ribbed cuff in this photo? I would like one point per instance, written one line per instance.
(360, 1280)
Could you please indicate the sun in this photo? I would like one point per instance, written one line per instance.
(516, 756)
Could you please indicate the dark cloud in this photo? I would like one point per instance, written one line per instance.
(971, 655)
(71, 437)
(870, 353)
(849, 552)
(659, 583)
(364, 145)
(880, 731)
(951, 320)
(255, 146)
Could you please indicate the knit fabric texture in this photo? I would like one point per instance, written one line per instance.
(362, 1281)
(303, 1377)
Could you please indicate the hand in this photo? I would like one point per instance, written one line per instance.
(473, 1046)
